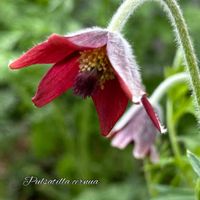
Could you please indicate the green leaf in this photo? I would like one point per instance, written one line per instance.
(194, 161)
(197, 189)
(173, 193)
(174, 198)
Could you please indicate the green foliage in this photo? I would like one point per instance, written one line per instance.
(172, 193)
(195, 162)
(62, 140)
(114, 192)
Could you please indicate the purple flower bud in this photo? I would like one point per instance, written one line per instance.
(136, 128)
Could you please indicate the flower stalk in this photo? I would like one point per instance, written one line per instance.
(197, 189)
(156, 97)
(176, 17)
(159, 92)
(174, 13)
(172, 131)
(166, 85)
(123, 13)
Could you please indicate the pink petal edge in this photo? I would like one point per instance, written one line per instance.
(89, 38)
(126, 69)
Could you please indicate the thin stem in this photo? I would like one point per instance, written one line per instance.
(197, 189)
(166, 85)
(147, 176)
(178, 60)
(176, 17)
(172, 131)
(123, 13)
(174, 142)
(174, 13)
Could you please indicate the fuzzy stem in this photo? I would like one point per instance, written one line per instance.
(166, 85)
(172, 132)
(123, 13)
(155, 97)
(174, 13)
(176, 17)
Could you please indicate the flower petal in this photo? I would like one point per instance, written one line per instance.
(122, 138)
(154, 154)
(137, 129)
(150, 111)
(89, 38)
(140, 151)
(127, 128)
(110, 103)
(121, 57)
(125, 120)
(58, 47)
(146, 137)
(53, 50)
(57, 80)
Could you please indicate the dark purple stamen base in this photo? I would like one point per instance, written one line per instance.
(86, 83)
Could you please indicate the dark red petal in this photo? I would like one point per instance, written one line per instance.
(89, 38)
(121, 57)
(57, 80)
(150, 111)
(52, 50)
(110, 103)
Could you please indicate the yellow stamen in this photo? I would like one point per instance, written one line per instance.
(97, 59)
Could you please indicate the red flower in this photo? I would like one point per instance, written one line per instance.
(95, 63)
(136, 127)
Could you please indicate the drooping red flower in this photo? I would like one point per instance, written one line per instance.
(95, 63)
(136, 127)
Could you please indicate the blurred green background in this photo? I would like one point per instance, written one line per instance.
(62, 139)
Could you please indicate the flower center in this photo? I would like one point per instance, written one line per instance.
(97, 59)
(86, 83)
(95, 70)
